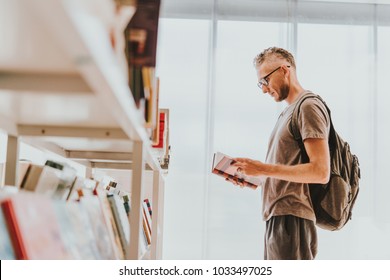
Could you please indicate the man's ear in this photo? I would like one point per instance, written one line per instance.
(286, 70)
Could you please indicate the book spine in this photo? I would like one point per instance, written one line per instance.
(17, 242)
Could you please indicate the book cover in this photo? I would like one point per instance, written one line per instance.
(156, 127)
(147, 218)
(24, 166)
(121, 221)
(142, 34)
(146, 229)
(67, 175)
(148, 213)
(31, 177)
(81, 236)
(81, 187)
(222, 166)
(6, 248)
(149, 82)
(34, 229)
(42, 179)
(110, 222)
(161, 128)
(162, 145)
(49, 180)
(100, 228)
(149, 206)
(68, 233)
(143, 242)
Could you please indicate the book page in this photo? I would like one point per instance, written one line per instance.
(222, 167)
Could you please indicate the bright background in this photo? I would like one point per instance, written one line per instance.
(205, 54)
(205, 58)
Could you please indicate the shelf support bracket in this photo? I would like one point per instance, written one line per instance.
(136, 200)
(11, 164)
(157, 220)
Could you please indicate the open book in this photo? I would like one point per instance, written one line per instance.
(222, 167)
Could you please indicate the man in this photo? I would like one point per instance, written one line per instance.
(287, 209)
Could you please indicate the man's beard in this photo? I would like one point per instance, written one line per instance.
(284, 90)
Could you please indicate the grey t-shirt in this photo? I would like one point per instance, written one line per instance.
(290, 198)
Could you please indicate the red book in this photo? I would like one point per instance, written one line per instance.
(149, 206)
(34, 228)
(161, 135)
(148, 213)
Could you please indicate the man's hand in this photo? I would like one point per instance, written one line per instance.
(316, 171)
(248, 166)
(238, 180)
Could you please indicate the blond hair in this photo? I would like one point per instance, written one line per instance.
(273, 53)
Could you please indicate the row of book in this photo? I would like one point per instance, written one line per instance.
(144, 86)
(90, 222)
(162, 146)
(140, 50)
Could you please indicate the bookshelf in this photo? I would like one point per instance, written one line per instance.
(64, 89)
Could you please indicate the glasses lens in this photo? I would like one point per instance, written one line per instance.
(262, 83)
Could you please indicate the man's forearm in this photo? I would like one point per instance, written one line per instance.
(301, 173)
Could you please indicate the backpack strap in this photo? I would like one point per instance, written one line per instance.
(294, 128)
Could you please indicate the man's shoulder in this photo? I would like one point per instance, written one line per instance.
(313, 103)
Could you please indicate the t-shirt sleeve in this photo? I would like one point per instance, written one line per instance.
(314, 119)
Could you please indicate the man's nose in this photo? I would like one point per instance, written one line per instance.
(265, 89)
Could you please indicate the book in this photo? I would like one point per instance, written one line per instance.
(42, 179)
(141, 34)
(34, 229)
(106, 248)
(121, 221)
(67, 175)
(136, 84)
(162, 145)
(147, 209)
(77, 230)
(24, 165)
(222, 166)
(68, 232)
(151, 98)
(148, 206)
(110, 222)
(81, 187)
(31, 177)
(126, 204)
(161, 130)
(146, 228)
(143, 242)
(6, 248)
(154, 134)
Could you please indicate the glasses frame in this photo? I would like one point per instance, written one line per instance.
(264, 82)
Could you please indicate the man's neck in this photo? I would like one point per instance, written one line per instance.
(294, 94)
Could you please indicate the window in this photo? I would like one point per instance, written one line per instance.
(183, 70)
(341, 69)
(240, 129)
(342, 54)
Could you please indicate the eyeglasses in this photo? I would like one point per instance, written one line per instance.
(264, 81)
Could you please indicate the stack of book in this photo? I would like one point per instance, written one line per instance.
(162, 135)
(53, 179)
(89, 222)
(141, 45)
